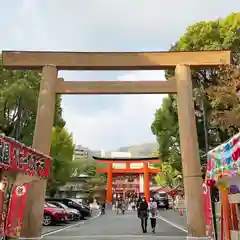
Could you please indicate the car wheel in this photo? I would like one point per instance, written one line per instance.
(47, 220)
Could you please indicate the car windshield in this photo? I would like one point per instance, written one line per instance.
(159, 196)
(162, 195)
(77, 201)
(50, 205)
(60, 205)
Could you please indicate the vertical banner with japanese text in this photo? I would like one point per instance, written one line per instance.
(16, 210)
(207, 207)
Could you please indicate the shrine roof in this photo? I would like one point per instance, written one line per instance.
(124, 159)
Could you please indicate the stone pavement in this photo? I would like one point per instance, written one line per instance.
(174, 217)
(62, 225)
(116, 227)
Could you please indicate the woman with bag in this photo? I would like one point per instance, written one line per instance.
(153, 212)
(143, 214)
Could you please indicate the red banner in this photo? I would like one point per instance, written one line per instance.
(207, 207)
(17, 157)
(16, 210)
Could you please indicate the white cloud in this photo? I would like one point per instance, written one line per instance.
(124, 125)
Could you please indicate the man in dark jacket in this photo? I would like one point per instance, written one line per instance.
(143, 214)
(139, 200)
(103, 207)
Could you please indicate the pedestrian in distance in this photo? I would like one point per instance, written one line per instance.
(103, 207)
(153, 212)
(139, 200)
(143, 214)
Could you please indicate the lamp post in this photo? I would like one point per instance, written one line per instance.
(17, 126)
(212, 191)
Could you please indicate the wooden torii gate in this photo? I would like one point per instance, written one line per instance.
(50, 62)
(145, 170)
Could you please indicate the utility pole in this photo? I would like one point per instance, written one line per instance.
(212, 191)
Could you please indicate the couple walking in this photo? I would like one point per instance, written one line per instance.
(146, 211)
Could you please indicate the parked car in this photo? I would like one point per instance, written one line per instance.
(84, 204)
(162, 200)
(53, 214)
(72, 214)
(72, 203)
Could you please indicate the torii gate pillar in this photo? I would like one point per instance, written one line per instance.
(189, 152)
(146, 182)
(109, 186)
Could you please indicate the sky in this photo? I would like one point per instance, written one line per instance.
(105, 122)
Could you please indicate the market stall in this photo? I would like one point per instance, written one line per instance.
(17, 158)
(223, 168)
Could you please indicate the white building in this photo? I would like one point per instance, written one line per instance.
(81, 153)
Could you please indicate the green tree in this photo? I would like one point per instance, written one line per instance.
(24, 84)
(88, 166)
(219, 34)
(95, 186)
(165, 128)
(206, 35)
(168, 176)
(62, 150)
(224, 99)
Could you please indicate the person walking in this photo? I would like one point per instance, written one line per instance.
(153, 212)
(103, 208)
(139, 200)
(143, 214)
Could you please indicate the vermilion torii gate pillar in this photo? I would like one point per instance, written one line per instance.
(146, 170)
(181, 85)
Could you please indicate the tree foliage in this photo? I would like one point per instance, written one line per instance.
(87, 167)
(166, 129)
(224, 98)
(213, 91)
(168, 176)
(95, 186)
(24, 84)
(62, 150)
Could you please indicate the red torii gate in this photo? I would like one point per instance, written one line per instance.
(145, 170)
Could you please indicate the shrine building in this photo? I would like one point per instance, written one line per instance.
(128, 175)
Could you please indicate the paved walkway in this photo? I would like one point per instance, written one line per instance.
(112, 226)
(174, 216)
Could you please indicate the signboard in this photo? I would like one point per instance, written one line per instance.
(17, 157)
(119, 165)
(180, 204)
(207, 207)
(136, 165)
(16, 210)
(234, 198)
